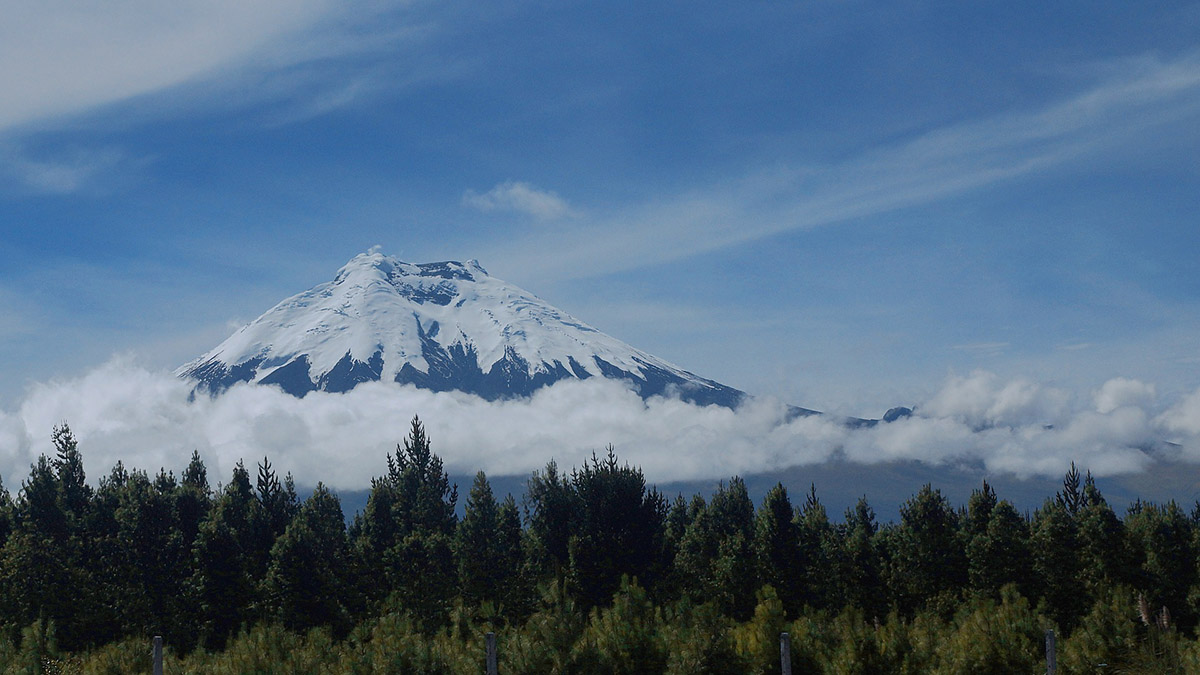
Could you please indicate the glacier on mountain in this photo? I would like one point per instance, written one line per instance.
(444, 326)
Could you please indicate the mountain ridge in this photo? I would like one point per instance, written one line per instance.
(441, 326)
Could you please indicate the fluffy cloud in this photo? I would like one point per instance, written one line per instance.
(149, 420)
(521, 198)
(982, 400)
(1120, 392)
(1182, 420)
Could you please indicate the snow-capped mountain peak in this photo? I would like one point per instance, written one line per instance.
(442, 326)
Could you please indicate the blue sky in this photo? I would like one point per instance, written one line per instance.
(836, 203)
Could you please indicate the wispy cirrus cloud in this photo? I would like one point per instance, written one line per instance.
(63, 58)
(983, 347)
(66, 172)
(1137, 97)
(519, 197)
(60, 59)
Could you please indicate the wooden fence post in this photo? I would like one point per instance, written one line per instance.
(158, 666)
(1051, 655)
(491, 654)
(785, 654)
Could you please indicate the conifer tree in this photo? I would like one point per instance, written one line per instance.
(227, 561)
(716, 556)
(1103, 551)
(516, 591)
(622, 637)
(999, 554)
(550, 506)
(149, 555)
(372, 533)
(45, 553)
(1070, 497)
(1161, 539)
(679, 516)
(487, 547)
(7, 516)
(1054, 545)
(979, 511)
(817, 548)
(425, 499)
(777, 546)
(404, 537)
(305, 585)
(74, 492)
(928, 559)
(38, 508)
(861, 570)
(193, 499)
(618, 530)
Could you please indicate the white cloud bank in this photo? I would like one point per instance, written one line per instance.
(145, 419)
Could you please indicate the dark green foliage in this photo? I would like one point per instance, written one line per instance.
(818, 553)
(73, 491)
(627, 585)
(550, 504)
(1054, 545)
(1071, 498)
(150, 553)
(226, 558)
(277, 501)
(38, 507)
(928, 560)
(487, 546)
(424, 499)
(715, 559)
(7, 515)
(1163, 556)
(35, 576)
(859, 564)
(777, 547)
(546, 641)
(618, 529)
(1104, 554)
(404, 536)
(46, 551)
(597, 525)
(1109, 634)
(998, 554)
(979, 511)
(305, 586)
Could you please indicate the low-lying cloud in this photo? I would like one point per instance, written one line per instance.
(148, 420)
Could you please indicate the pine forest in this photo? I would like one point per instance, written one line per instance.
(594, 571)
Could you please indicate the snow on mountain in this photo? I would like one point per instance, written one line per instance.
(441, 326)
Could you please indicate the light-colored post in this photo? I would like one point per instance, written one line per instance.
(491, 654)
(785, 654)
(1051, 656)
(158, 655)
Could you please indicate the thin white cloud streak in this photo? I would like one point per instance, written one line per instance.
(1140, 96)
(59, 58)
(146, 420)
(76, 170)
(519, 197)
